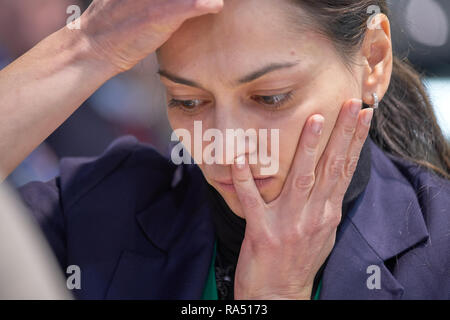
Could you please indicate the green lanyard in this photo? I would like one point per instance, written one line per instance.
(210, 291)
(316, 296)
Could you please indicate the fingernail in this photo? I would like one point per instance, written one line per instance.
(210, 5)
(240, 162)
(317, 125)
(368, 117)
(355, 107)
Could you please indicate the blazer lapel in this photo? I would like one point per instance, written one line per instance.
(384, 221)
(180, 239)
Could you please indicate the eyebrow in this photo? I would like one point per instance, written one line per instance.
(246, 79)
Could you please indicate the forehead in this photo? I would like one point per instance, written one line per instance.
(242, 37)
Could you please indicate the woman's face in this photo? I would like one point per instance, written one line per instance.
(213, 63)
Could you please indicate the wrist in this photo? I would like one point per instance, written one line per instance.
(297, 294)
(83, 52)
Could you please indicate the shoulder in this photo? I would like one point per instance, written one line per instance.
(417, 191)
(431, 190)
(414, 207)
(433, 195)
(128, 173)
(127, 168)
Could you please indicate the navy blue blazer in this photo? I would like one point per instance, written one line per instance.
(139, 227)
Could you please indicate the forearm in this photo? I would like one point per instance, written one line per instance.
(45, 86)
(41, 89)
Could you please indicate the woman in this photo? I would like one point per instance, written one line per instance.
(324, 225)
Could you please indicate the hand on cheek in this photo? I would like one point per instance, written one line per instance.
(286, 241)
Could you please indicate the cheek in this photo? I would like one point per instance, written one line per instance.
(328, 97)
(185, 125)
(293, 126)
(291, 131)
(175, 120)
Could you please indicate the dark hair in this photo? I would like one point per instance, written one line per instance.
(405, 124)
(85, 3)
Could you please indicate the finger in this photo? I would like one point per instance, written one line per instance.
(199, 7)
(301, 176)
(252, 204)
(332, 162)
(362, 131)
(181, 10)
(212, 6)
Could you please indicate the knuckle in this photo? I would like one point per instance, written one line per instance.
(349, 131)
(332, 221)
(309, 150)
(241, 179)
(305, 182)
(249, 201)
(336, 166)
(202, 5)
(314, 226)
(335, 201)
(338, 199)
(361, 135)
(351, 166)
(198, 4)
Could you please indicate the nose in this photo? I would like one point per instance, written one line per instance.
(239, 138)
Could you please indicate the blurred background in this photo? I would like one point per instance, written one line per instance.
(133, 102)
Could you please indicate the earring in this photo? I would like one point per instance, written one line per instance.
(376, 102)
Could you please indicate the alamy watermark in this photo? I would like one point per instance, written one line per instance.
(374, 21)
(74, 279)
(74, 20)
(236, 142)
(374, 280)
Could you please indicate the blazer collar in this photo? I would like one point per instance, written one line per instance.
(178, 212)
(176, 265)
(385, 221)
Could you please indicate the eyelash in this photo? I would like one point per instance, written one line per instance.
(286, 97)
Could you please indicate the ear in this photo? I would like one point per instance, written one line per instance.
(377, 58)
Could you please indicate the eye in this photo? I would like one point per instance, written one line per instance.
(188, 105)
(275, 101)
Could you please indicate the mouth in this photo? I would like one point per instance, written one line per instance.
(260, 182)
